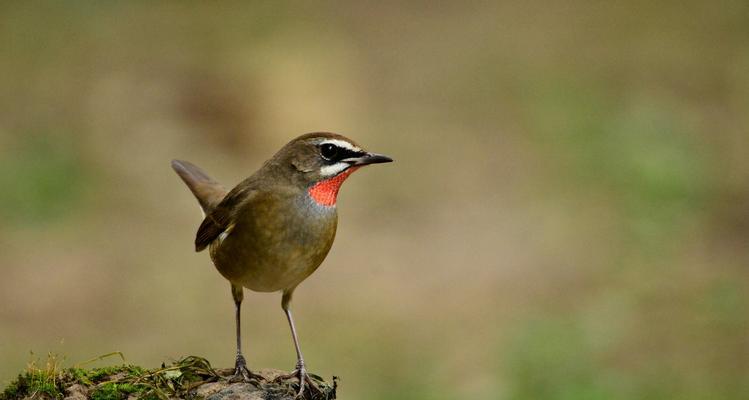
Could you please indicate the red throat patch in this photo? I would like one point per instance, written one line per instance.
(325, 192)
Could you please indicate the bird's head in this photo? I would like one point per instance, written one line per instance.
(321, 161)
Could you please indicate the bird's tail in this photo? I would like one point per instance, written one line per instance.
(208, 192)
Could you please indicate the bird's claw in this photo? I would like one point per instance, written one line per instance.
(242, 373)
(304, 378)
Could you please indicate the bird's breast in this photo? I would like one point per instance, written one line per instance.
(276, 242)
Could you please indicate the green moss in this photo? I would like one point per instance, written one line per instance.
(113, 382)
(100, 374)
(10, 392)
(116, 391)
(119, 382)
(81, 376)
(36, 383)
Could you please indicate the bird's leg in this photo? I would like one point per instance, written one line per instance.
(241, 373)
(300, 371)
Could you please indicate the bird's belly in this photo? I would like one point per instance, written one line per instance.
(271, 278)
(266, 258)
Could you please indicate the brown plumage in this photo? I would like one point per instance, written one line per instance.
(275, 228)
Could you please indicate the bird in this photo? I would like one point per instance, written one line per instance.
(275, 228)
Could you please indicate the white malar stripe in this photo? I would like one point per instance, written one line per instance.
(341, 143)
(335, 169)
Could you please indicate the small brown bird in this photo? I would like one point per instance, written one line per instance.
(275, 228)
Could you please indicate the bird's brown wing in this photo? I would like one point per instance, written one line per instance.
(221, 217)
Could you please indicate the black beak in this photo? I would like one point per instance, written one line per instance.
(369, 158)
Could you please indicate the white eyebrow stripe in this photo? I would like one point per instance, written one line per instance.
(341, 143)
(334, 169)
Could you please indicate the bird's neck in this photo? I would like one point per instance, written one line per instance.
(325, 192)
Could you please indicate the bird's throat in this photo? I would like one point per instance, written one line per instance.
(325, 192)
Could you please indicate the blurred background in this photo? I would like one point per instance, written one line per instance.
(567, 217)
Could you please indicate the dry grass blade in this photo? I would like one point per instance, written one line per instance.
(101, 357)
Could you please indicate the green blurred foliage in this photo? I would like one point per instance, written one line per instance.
(567, 217)
(645, 155)
(42, 180)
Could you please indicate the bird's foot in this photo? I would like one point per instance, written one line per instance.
(242, 373)
(301, 373)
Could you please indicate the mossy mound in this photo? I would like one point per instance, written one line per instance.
(189, 378)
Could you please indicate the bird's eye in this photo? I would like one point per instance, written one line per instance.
(328, 151)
